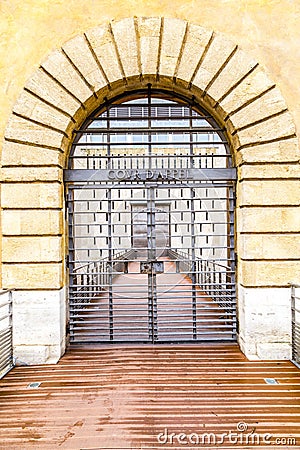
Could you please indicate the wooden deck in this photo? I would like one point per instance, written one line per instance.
(123, 397)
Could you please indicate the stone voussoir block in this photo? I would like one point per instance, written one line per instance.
(279, 151)
(32, 107)
(28, 132)
(252, 86)
(171, 44)
(236, 68)
(79, 52)
(262, 108)
(149, 32)
(62, 70)
(101, 40)
(197, 38)
(127, 48)
(277, 127)
(48, 89)
(218, 52)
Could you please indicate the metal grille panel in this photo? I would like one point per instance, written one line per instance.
(151, 229)
(6, 335)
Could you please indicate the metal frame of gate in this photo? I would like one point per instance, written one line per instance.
(151, 149)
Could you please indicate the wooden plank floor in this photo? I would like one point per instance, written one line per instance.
(123, 397)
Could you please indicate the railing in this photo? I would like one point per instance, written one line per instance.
(295, 307)
(6, 338)
(213, 278)
(90, 279)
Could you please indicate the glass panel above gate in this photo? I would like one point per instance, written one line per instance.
(150, 199)
(150, 138)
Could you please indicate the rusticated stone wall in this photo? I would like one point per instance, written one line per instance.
(184, 57)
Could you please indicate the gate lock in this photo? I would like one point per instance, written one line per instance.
(154, 267)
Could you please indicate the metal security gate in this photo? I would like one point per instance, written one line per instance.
(150, 198)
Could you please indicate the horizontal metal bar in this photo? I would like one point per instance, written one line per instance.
(6, 304)
(155, 156)
(131, 131)
(6, 291)
(145, 144)
(103, 118)
(5, 330)
(139, 185)
(6, 358)
(148, 174)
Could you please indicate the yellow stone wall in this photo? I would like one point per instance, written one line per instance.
(267, 29)
(230, 82)
(237, 88)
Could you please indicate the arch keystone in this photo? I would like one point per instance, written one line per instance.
(149, 36)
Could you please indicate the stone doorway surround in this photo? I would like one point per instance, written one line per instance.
(109, 60)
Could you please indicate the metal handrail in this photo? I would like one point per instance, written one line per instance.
(186, 256)
(95, 277)
(295, 323)
(211, 280)
(6, 334)
(116, 256)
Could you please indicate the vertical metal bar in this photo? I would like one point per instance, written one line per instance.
(71, 229)
(193, 243)
(154, 255)
(149, 259)
(10, 324)
(109, 267)
(149, 128)
(293, 307)
(151, 256)
(231, 287)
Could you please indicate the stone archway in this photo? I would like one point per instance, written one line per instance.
(68, 86)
